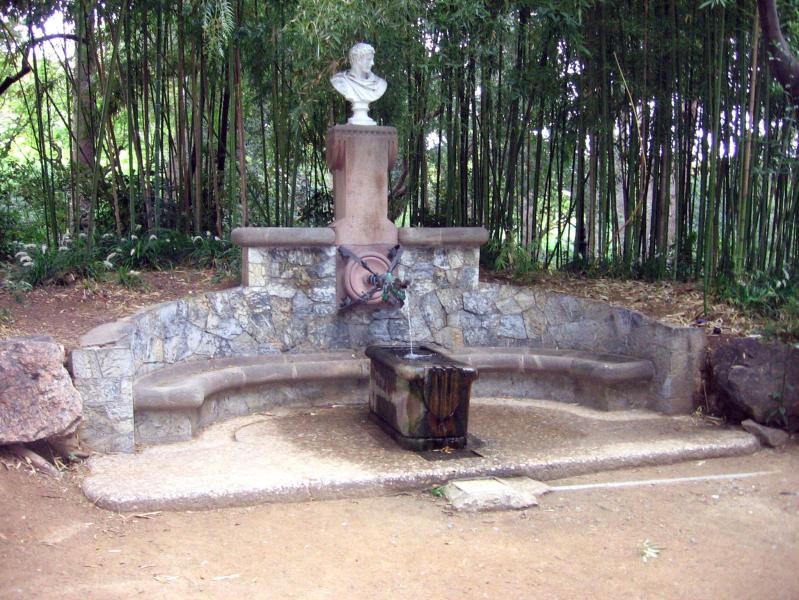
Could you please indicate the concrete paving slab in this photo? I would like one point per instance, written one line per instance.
(487, 494)
(333, 452)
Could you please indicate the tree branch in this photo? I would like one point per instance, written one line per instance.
(784, 64)
(26, 48)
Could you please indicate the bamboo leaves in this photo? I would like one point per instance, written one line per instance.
(217, 22)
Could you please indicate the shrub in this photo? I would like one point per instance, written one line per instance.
(773, 296)
(215, 253)
(38, 264)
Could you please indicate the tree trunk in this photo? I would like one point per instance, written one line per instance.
(784, 65)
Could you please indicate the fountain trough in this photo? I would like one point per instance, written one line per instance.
(420, 398)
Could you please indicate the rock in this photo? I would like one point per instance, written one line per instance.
(37, 398)
(478, 303)
(758, 379)
(491, 494)
(512, 326)
(768, 436)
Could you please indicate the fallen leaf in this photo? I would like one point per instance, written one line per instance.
(649, 550)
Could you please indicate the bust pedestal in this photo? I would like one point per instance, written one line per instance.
(360, 158)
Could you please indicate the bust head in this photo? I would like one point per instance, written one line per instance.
(358, 84)
(362, 58)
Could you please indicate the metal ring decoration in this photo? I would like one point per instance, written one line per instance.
(369, 278)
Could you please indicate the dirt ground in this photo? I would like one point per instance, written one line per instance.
(67, 312)
(731, 539)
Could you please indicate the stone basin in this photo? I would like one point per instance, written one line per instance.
(420, 398)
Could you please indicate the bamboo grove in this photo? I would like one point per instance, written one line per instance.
(645, 133)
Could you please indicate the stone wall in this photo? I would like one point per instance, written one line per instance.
(290, 305)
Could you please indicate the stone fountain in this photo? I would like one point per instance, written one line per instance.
(313, 299)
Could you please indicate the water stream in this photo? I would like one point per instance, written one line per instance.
(411, 354)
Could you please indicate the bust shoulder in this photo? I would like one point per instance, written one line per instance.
(340, 84)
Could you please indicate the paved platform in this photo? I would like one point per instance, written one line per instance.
(298, 454)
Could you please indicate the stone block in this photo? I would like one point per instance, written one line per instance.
(451, 299)
(758, 379)
(280, 289)
(441, 258)
(469, 278)
(107, 333)
(508, 306)
(768, 436)
(378, 331)
(256, 276)
(487, 494)
(302, 305)
(526, 299)
(83, 363)
(114, 362)
(432, 311)
(159, 427)
(105, 435)
(256, 256)
(323, 294)
(534, 323)
(512, 326)
(449, 337)
(478, 303)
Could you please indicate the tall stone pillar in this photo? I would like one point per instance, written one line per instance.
(360, 158)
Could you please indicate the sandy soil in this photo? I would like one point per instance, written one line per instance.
(735, 539)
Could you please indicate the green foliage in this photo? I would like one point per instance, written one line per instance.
(437, 491)
(130, 279)
(38, 264)
(8, 226)
(775, 297)
(318, 210)
(21, 202)
(161, 249)
(472, 86)
(762, 293)
(17, 288)
(614, 267)
(509, 256)
(217, 25)
(215, 253)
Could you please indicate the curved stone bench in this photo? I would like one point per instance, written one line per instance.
(598, 380)
(607, 368)
(173, 403)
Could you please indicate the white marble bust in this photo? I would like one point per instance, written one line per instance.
(359, 85)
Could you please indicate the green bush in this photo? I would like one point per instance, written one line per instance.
(773, 296)
(130, 279)
(509, 256)
(159, 249)
(38, 264)
(762, 293)
(215, 253)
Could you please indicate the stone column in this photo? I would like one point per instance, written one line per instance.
(359, 158)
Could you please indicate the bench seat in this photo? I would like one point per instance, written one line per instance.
(175, 402)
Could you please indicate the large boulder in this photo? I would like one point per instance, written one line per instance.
(759, 380)
(37, 398)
